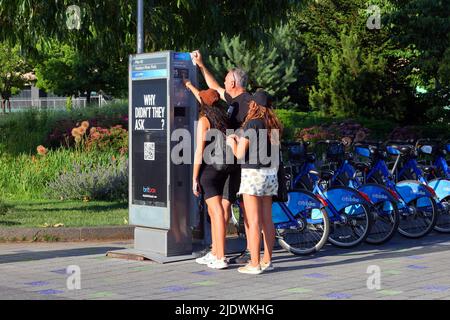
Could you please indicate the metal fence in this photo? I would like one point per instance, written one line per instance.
(45, 103)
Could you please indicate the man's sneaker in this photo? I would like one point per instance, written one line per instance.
(218, 264)
(243, 258)
(248, 269)
(267, 266)
(207, 258)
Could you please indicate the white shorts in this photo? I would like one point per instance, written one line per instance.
(259, 182)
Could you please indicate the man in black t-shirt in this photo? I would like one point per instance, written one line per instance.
(237, 99)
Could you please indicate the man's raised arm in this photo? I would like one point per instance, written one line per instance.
(209, 78)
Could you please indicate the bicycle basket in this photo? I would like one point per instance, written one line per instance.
(296, 151)
(335, 150)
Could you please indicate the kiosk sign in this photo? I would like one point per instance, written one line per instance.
(149, 130)
(161, 204)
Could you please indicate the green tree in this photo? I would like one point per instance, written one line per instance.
(335, 32)
(348, 81)
(12, 70)
(271, 64)
(422, 28)
(64, 70)
(107, 32)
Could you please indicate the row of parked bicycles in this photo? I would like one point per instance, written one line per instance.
(367, 191)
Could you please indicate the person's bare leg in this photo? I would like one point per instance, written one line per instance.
(226, 205)
(218, 229)
(213, 230)
(252, 211)
(268, 228)
(245, 223)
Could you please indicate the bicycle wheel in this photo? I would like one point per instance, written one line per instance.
(350, 226)
(309, 234)
(385, 222)
(421, 220)
(443, 219)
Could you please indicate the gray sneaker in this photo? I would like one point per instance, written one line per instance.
(243, 258)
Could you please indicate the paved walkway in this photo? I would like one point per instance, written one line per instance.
(410, 269)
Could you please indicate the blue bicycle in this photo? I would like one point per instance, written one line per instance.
(384, 202)
(417, 201)
(301, 224)
(409, 169)
(348, 209)
(436, 152)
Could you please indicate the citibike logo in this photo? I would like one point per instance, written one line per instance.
(349, 199)
(418, 193)
(380, 196)
(148, 190)
(307, 204)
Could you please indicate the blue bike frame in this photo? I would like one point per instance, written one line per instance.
(406, 190)
(337, 198)
(440, 186)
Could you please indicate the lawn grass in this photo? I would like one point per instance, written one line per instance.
(37, 213)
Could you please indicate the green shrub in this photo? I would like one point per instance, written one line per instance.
(114, 139)
(4, 208)
(102, 182)
(26, 176)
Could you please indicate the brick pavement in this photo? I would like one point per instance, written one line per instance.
(410, 269)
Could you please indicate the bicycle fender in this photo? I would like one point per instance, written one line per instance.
(410, 190)
(299, 201)
(441, 187)
(377, 193)
(342, 197)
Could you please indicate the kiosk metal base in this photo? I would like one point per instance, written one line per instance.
(234, 245)
(140, 255)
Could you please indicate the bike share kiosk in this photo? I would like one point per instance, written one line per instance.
(161, 203)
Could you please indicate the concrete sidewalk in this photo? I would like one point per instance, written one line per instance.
(410, 269)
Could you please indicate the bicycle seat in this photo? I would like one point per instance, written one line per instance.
(403, 149)
(325, 174)
(310, 157)
(428, 169)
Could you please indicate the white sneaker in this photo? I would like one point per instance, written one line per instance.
(207, 258)
(218, 264)
(248, 269)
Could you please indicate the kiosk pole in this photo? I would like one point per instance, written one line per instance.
(140, 26)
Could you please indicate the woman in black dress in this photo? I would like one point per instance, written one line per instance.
(207, 179)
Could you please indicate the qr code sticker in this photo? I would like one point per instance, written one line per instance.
(149, 151)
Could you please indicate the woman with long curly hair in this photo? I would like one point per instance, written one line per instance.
(259, 146)
(206, 178)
